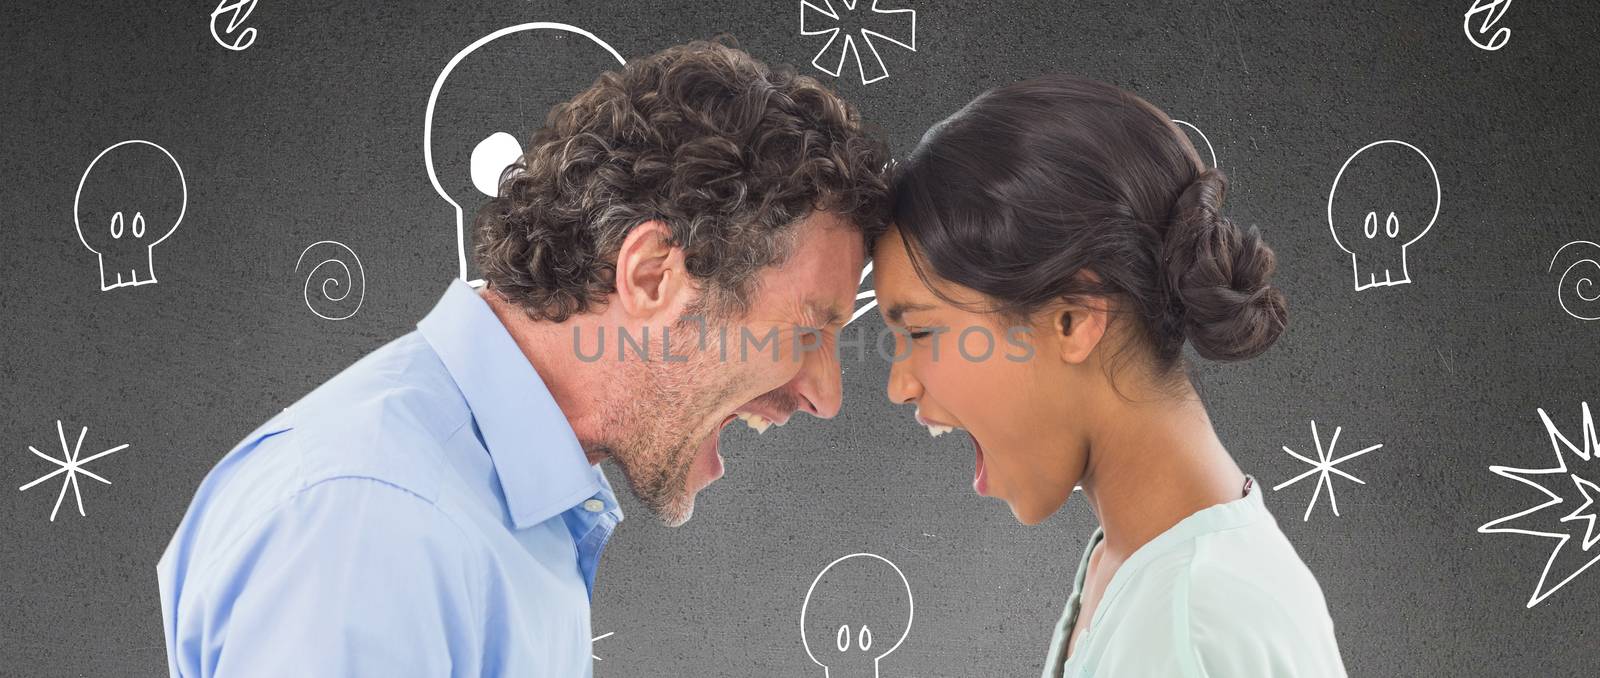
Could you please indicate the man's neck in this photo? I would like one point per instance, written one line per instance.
(577, 386)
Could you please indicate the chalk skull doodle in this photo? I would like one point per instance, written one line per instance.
(130, 199)
(1384, 199)
(857, 611)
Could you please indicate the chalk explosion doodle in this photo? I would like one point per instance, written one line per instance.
(1560, 484)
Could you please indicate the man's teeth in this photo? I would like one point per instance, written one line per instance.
(936, 430)
(755, 421)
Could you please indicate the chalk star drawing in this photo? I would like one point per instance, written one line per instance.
(838, 51)
(602, 636)
(1324, 465)
(870, 295)
(1548, 481)
(72, 466)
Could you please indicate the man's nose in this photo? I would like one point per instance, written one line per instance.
(819, 384)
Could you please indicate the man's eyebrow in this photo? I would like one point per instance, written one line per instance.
(898, 309)
(825, 316)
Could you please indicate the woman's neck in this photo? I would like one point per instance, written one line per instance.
(1158, 462)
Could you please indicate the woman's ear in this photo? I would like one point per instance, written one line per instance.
(1079, 327)
(1080, 324)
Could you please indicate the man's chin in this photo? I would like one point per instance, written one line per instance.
(677, 515)
(704, 469)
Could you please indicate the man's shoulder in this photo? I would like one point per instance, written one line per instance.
(388, 418)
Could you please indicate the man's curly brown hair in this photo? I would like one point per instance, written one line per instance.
(725, 151)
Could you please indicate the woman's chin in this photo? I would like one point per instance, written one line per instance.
(1032, 513)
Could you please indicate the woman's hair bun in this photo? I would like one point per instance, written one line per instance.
(1217, 275)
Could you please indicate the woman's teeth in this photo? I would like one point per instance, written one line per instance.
(936, 430)
(755, 421)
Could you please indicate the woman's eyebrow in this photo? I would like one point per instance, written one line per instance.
(898, 309)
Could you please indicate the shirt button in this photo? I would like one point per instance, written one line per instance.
(594, 506)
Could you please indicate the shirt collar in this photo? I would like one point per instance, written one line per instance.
(542, 468)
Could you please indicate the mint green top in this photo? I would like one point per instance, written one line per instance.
(1222, 593)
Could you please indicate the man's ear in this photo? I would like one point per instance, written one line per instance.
(650, 272)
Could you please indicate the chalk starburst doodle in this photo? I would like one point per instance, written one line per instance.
(1560, 484)
(71, 465)
(598, 638)
(870, 295)
(1325, 464)
(818, 17)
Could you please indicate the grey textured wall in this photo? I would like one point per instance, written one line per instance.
(314, 132)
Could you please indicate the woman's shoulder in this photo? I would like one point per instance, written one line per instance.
(1232, 602)
(1250, 606)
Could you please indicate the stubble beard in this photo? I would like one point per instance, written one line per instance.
(656, 436)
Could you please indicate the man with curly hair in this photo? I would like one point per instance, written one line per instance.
(437, 508)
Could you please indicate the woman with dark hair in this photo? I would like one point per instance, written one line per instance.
(1076, 221)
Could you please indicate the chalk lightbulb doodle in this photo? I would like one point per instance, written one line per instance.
(1209, 149)
(1579, 298)
(857, 611)
(236, 13)
(130, 199)
(339, 288)
(72, 466)
(1573, 481)
(1379, 206)
(818, 17)
(486, 110)
(1488, 13)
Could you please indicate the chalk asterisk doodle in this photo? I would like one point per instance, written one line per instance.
(818, 17)
(1324, 464)
(71, 465)
(1554, 482)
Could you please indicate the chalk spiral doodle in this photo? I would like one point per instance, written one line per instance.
(1581, 292)
(335, 286)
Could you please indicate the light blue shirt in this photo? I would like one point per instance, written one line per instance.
(427, 512)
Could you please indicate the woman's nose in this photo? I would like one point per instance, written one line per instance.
(903, 385)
